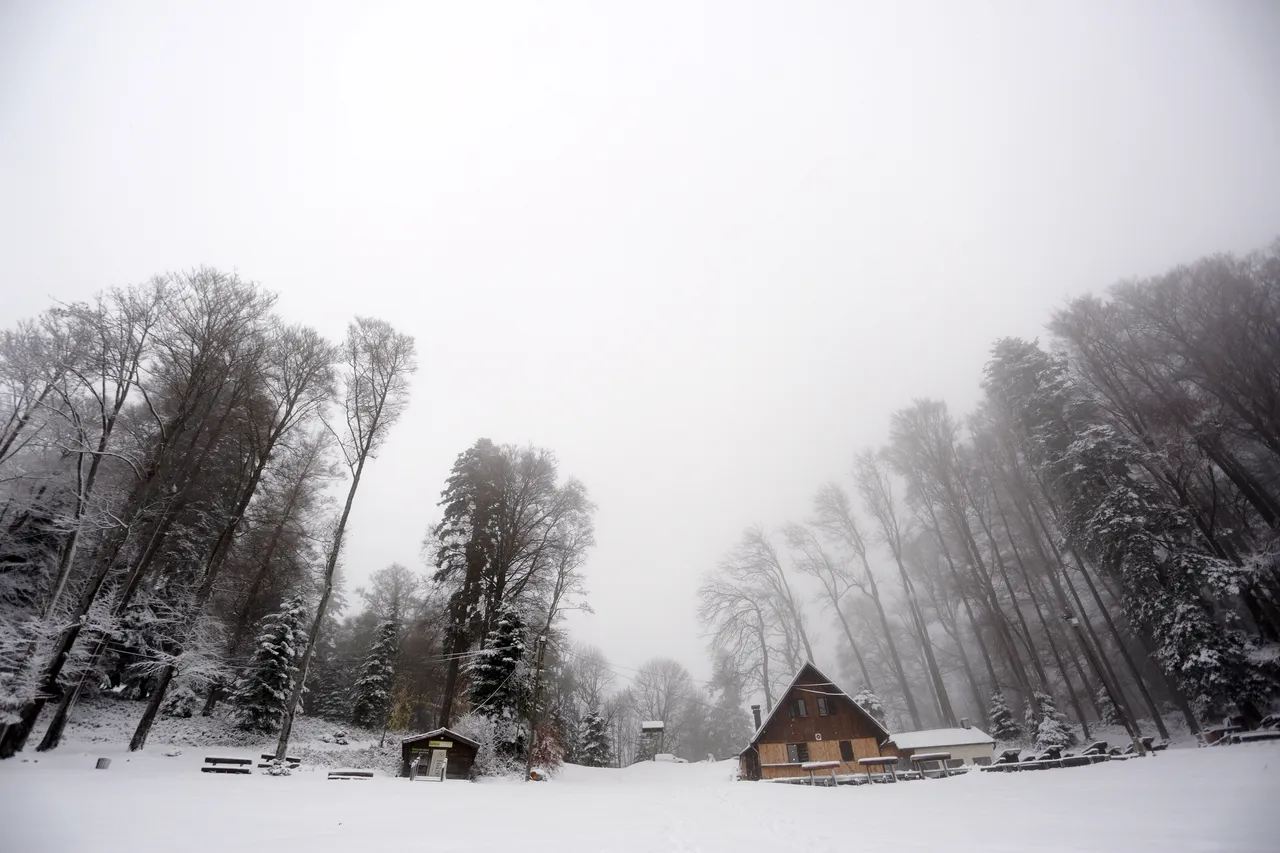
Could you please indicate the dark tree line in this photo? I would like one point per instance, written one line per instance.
(1102, 534)
(165, 456)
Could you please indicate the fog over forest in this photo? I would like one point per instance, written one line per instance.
(547, 372)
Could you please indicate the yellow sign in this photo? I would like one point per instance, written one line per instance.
(440, 744)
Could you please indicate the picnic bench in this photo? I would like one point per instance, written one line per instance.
(1007, 761)
(350, 774)
(943, 760)
(881, 761)
(227, 765)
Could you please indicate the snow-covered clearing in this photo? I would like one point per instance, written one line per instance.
(1185, 799)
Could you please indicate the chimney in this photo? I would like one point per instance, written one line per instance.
(755, 712)
(965, 724)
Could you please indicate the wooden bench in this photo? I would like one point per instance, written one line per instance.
(290, 762)
(1254, 736)
(234, 765)
(351, 774)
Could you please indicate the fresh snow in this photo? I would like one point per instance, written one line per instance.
(1217, 799)
(940, 737)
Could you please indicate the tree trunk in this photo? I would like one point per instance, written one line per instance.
(331, 566)
(898, 669)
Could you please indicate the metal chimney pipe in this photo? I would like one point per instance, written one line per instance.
(755, 712)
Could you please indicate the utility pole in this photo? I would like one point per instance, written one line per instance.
(533, 711)
(1113, 692)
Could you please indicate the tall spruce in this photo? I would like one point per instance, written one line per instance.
(1000, 720)
(371, 696)
(593, 746)
(260, 696)
(500, 682)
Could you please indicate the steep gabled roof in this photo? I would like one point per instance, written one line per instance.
(450, 733)
(822, 686)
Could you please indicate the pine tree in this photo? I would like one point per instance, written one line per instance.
(1106, 708)
(594, 749)
(1053, 729)
(328, 684)
(726, 724)
(371, 695)
(870, 702)
(262, 693)
(500, 683)
(1003, 727)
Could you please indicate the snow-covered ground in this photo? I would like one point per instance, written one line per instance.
(1221, 799)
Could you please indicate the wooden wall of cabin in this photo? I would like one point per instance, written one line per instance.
(822, 750)
(848, 722)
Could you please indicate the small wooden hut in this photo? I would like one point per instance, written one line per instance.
(965, 745)
(457, 752)
(814, 720)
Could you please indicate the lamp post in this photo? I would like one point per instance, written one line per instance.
(1117, 700)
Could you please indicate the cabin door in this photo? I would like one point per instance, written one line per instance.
(439, 763)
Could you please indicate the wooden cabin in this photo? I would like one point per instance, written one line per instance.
(458, 752)
(814, 720)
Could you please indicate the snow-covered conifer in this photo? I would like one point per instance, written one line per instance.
(1106, 708)
(500, 683)
(261, 694)
(594, 749)
(1053, 729)
(371, 696)
(1000, 722)
(870, 702)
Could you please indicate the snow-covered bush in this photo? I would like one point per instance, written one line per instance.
(181, 701)
(488, 732)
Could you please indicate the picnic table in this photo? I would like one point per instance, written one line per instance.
(925, 757)
(882, 761)
(813, 766)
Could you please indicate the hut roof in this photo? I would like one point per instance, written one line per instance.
(930, 738)
(436, 733)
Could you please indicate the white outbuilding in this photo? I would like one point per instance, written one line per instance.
(967, 745)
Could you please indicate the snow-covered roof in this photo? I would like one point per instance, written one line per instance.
(827, 688)
(652, 724)
(931, 738)
(449, 733)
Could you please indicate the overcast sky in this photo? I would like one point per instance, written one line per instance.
(702, 251)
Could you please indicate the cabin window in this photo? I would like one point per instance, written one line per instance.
(798, 709)
(825, 706)
(846, 750)
(797, 752)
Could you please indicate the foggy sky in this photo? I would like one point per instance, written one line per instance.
(702, 251)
